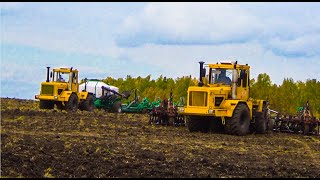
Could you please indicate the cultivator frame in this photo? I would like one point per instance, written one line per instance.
(166, 114)
(302, 123)
(136, 106)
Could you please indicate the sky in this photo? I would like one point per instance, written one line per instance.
(117, 39)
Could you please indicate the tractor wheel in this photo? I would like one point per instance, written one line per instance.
(197, 123)
(72, 103)
(46, 104)
(261, 124)
(239, 123)
(116, 107)
(88, 104)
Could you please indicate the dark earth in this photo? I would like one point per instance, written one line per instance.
(51, 143)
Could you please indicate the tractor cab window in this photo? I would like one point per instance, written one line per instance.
(243, 79)
(61, 76)
(223, 76)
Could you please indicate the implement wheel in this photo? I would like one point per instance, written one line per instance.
(261, 122)
(116, 107)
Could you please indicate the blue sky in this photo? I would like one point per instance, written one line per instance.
(129, 38)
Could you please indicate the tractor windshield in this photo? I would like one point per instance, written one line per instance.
(61, 76)
(223, 76)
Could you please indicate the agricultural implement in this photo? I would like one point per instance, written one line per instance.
(303, 122)
(166, 113)
(137, 106)
(221, 102)
(62, 89)
(105, 96)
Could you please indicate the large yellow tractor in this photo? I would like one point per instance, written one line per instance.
(221, 102)
(62, 90)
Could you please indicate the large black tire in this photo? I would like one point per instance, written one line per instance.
(116, 107)
(198, 123)
(46, 104)
(239, 123)
(72, 103)
(88, 104)
(261, 122)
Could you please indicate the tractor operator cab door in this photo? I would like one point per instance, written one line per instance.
(243, 84)
(74, 81)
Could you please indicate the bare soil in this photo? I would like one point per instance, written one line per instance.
(51, 143)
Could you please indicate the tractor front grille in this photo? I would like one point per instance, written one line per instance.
(198, 98)
(47, 89)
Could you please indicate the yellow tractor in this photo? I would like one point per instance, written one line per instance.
(62, 90)
(221, 102)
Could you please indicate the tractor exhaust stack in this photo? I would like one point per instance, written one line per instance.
(200, 84)
(48, 69)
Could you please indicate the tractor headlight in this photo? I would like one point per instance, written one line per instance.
(181, 109)
(36, 96)
(55, 97)
(210, 111)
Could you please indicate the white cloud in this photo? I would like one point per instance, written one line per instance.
(306, 45)
(288, 29)
(189, 22)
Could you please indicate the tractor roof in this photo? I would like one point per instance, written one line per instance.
(66, 70)
(228, 65)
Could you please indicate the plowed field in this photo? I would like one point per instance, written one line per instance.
(51, 143)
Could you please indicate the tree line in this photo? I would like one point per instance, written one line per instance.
(289, 96)
(285, 98)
